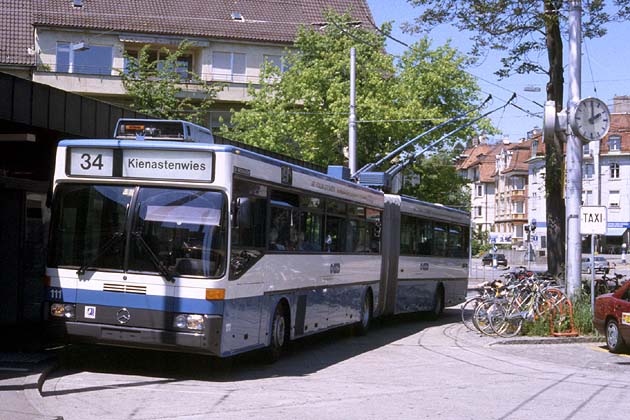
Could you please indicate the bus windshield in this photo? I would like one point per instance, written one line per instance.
(172, 232)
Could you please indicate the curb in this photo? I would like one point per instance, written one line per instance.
(551, 340)
(33, 385)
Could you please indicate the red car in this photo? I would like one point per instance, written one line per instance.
(612, 318)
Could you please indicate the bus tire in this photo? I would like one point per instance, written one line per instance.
(279, 333)
(365, 317)
(438, 303)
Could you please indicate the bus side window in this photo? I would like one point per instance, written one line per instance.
(249, 215)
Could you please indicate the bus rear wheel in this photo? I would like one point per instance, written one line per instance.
(438, 304)
(279, 333)
(362, 327)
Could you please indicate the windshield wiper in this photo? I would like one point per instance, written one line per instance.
(164, 271)
(101, 251)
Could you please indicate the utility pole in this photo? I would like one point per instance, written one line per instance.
(352, 120)
(573, 192)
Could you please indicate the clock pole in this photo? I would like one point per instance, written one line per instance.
(573, 191)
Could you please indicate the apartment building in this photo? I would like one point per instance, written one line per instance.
(511, 192)
(80, 46)
(477, 164)
(498, 175)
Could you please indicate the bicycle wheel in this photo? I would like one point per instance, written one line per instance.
(468, 311)
(506, 320)
(480, 317)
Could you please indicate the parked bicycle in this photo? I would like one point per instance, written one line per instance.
(505, 304)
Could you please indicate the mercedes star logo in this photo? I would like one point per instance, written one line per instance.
(123, 316)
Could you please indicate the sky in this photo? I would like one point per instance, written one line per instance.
(605, 72)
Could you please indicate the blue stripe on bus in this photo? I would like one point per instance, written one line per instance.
(130, 300)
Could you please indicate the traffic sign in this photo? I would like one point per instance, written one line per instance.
(593, 220)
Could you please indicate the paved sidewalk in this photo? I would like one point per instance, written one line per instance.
(21, 376)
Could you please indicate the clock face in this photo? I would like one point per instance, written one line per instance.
(591, 119)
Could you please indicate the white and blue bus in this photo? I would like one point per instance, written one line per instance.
(215, 249)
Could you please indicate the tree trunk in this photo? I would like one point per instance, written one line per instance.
(554, 156)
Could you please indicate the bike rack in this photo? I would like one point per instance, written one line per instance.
(560, 310)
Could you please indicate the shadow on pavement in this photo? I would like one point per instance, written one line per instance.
(305, 356)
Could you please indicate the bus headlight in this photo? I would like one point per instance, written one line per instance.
(189, 322)
(62, 310)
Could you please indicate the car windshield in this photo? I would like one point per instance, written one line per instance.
(174, 232)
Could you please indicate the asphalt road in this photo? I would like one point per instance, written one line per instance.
(405, 368)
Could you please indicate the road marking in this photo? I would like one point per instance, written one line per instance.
(605, 350)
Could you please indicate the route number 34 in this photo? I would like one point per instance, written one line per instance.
(89, 161)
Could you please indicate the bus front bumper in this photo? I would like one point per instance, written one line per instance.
(206, 342)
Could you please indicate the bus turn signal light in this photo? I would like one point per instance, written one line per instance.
(215, 294)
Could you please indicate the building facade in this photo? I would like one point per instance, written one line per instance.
(511, 192)
(80, 46)
(477, 164)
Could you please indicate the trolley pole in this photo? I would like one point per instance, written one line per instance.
(573, 192)
(352, 120)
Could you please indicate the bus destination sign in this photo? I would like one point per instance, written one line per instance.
(141, 163)
(193, 166)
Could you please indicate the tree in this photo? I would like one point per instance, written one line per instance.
(156, 86)
(303, 111)
(523, 29)
(438, 182)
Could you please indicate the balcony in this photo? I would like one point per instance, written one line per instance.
(99, 85)
(518, 195)
(519, 216)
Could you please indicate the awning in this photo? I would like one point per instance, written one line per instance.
(615, 231)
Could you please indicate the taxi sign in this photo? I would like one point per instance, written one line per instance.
(593, 220)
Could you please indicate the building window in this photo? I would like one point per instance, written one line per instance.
(478, 210)
(534, 148)
(518, 183)
(83, 58)
(479, 190)
(588, 171)
(586, 150)
(614, 170)
(228, 66)
(614, 143)
(183, 65)
(276, 61)
(613, 199)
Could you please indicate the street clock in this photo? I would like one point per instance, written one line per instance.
(590, 120)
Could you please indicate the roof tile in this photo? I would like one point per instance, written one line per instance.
(16, 32)
(268, 20)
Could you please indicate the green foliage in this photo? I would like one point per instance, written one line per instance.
(582, 317)
(439, 182)
(515, 27)
(304, 111)
(582, 320)
(156, 87)
(480, 243)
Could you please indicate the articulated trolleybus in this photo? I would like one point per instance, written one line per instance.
(169, 241)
